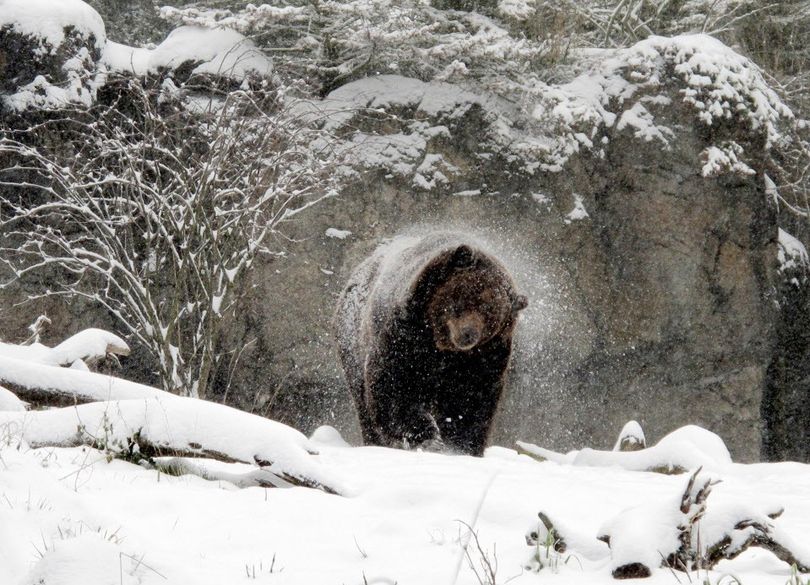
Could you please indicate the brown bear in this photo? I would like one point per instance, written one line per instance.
(425, 333)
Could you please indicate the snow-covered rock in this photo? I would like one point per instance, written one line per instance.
(51, 22)
(220, 52)
(631, 438)
(328, 435)
(50, 52)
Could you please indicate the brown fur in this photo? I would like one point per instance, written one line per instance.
(430, 369)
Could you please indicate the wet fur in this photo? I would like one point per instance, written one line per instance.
(413, 378)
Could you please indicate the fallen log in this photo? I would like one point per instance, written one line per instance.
(172, 426)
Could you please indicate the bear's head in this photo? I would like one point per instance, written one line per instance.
(474, 301)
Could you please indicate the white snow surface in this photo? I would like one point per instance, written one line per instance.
(220, 51)
(70, 517)
(337, 233)
(88, 344)
(9, 401)
(174, 421)
(632, 431)
(47, 19)
(791, 253)
(687, 447)
(30, 373)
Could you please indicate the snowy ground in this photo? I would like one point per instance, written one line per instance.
(68, 516)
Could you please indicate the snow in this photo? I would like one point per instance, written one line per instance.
(173, 421)
(517, 9)
(337, 233)
(684, 448)
(47, 19)
(634, 538)
(329, 436)
(75, 515)
(69, 516)
(30, 373)
(631, 435)
(87, 345)
(123, 58)
(623, 90)
(631, 91)
(10, 402)
(221, 51)
(579, 212)
(723, 159)
(791, 253)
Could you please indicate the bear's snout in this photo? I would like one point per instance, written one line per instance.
(465, 332)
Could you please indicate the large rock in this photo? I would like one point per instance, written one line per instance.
(629, 204)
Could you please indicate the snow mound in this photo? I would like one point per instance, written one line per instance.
(645, 534)
(328, 435)
(47, 20)
(704, 441)
(221, 52)
(90, 344)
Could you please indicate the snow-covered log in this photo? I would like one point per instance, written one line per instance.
(685, 448)
(89, 345)
(172, 426)
(43, 385)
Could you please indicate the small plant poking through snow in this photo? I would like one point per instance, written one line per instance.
(683, 534)
(549, 551)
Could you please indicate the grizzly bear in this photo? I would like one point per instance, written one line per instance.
(425, 333)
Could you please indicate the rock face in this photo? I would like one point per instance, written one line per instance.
(654, 307)
(649, 262)
(629, 205)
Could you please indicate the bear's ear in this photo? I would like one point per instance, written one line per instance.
(462, 257)
(520, 303)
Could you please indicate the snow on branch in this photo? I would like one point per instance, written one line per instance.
(173, 426)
